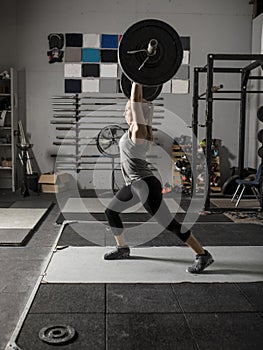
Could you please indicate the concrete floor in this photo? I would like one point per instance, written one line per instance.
(21, 266)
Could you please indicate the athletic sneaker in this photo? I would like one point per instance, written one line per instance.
(201, 262)
(118, 253)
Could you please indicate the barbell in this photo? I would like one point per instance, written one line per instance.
(150, 52)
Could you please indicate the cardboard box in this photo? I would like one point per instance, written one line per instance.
(7, 163)
(53, 182)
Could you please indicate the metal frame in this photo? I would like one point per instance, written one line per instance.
(210, 69)
(238, 194)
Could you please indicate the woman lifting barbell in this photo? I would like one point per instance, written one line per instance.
(142, 185)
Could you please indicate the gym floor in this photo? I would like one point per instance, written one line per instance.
(146, 302)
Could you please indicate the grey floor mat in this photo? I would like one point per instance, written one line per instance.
(20, 221)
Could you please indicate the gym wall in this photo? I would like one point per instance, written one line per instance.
(213, 26)
(8, 37)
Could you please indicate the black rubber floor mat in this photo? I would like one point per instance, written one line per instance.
(151, 316)
(140, 217)
(5, 204)
(229, 234)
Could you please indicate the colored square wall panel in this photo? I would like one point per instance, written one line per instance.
(91, 40)
(186, 57)
(167, 87)
(73, 85)
(72, 54)
(90, 85)
(119, 71)
(108, 85)
(108, 70)
(74, 40)
(90, 55)
(180, 86)
(185, 42)
(183, 72)
(109, 56)
(90, 70)
(72, 70)
(109, 41)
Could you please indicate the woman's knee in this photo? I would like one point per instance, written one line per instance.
(179, 230)
(110, 214)
(184, 235)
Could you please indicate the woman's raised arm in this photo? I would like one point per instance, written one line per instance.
(139, 130)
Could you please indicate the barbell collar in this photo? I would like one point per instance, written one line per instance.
(152, 47)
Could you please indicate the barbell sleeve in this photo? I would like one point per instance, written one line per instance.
(152, 47)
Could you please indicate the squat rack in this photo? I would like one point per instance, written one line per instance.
(210, 69)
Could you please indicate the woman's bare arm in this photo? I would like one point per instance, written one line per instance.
(139, 130)
(136, 92)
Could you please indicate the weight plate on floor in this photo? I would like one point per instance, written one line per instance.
(57, 334)
(159, 67)
(150, 93)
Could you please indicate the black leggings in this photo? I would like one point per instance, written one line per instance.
(148, 191)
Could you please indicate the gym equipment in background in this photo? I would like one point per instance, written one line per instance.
(108, 144)
(222, 94)
(108, 140)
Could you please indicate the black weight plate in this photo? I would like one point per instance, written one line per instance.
(260, 136)
(58, 334)
(163, 65)
(150, 93)
(260, 152)
(260, 113)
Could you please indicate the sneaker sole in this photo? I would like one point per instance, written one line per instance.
(209, 262)
(126, 256)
